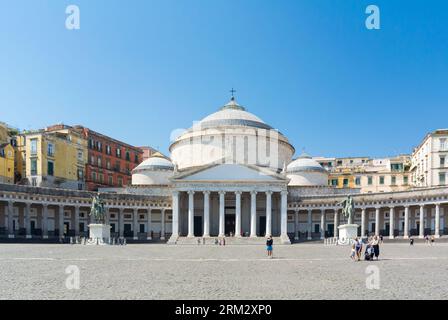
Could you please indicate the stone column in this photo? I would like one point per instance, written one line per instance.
(336, 223)
(61, 221)
(135, 223)
(27, 220)
(296, 224)
(221, 213)
(377, 221)
(175, 206)
(422, 222)
(322, 224)
(106, 217)
(206, 214)
(121, 222)
(45, 221)
(437, 221)
(10, 219)
(162, 234)
(391, 222)
(363, 222)
(253, 214)
(190, 214)
(406, 223)
(148, 223)
(310, 224)
(77, 220)
(238, 214)
(284, 214)
(268, 213)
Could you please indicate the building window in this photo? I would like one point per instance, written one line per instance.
(91, 143)
(80, 155)
(345, 182)
(33, 146)
(381, 179)
(393, 180)
(101, 177)
(136, 158)
(442, 177)
(92, 160)
(120, 181)
(108, 164)
(334, 182)
(108, 150)
(111, 180)
(33, 167)
(118, 153)
(50, 150)
(80, 174)
(50, 168)
(405, 180)
(442, 161)
(128, 156)
(369, 180)
(99, 162)
(94, 176)
(358, 181)
(443, 144)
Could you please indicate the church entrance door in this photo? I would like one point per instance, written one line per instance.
(229, 224)
(262, 232)
(198, 226)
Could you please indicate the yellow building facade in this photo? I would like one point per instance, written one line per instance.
(6, 163)
(54, 157)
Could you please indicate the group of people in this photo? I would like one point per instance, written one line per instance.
(372, 249)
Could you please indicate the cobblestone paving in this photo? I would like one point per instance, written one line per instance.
(313, 271)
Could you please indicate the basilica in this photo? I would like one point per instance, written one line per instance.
(233, 176)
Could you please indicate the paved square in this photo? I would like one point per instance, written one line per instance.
(304, 271)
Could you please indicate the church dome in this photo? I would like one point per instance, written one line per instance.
(156, 162)
(305, 171)
(156, 170)
(231, 135)
(232, 114)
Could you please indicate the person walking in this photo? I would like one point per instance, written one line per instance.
(269, 244)
(358, 247)
(376, 247)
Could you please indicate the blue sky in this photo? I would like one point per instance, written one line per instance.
(136, 70)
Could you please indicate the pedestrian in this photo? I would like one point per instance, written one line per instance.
(432, 240)
(376, 247)
(411, 241)
(269, 244)
(427, 239)
(381, 239)
(223, 241)
(353, 252)
(358, 247)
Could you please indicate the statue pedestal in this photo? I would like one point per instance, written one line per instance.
(347, 233)
(99, 233)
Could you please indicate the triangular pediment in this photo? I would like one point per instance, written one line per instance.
(230, 172)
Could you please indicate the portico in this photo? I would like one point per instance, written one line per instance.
(250, 204)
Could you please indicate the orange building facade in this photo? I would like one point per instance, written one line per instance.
(110, 162)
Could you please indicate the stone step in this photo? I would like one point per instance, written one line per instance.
(228, 241)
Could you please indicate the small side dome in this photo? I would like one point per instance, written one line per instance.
(155, 170)
(305, 171)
